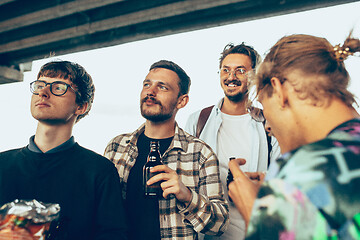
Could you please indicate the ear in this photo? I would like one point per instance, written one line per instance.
(182, 101)
(279, 91)
(81, 109)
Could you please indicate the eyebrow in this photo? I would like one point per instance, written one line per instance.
(158, 82)
(242, 66)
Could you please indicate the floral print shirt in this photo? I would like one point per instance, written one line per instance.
(312, 192)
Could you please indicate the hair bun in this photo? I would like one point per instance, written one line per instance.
(341, 53)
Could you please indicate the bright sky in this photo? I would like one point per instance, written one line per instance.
(118, 72)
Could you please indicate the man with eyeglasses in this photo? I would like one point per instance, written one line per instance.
(233, 128)
(53, 168)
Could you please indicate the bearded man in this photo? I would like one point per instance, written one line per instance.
(192, 198)
(233, 128)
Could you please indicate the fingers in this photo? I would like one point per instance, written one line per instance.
(161, 168)
(256, 176)
(240, 161)
(164, 174)
(170, 183)
(234, 167)
(253, 175)
(160, 177)
(170, 187)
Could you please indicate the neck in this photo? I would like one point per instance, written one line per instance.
(160, 130)
(48, 137)
(316, 127)
(233, 108)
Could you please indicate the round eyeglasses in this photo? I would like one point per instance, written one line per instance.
(57, 88)
(239, 73)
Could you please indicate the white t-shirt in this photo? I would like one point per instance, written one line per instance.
(235, 140)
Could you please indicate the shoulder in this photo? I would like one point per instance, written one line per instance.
(193, 117)
(11, 154)
(325, 159)
(194, 144)
(92, 159)
(120, 140)
(196, 114)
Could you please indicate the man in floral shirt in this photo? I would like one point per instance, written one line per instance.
(311, 192)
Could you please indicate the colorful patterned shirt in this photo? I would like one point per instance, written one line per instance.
(197, 167)
(313, 191)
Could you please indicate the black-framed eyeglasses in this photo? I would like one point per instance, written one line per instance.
(58, 88)
(238, 73)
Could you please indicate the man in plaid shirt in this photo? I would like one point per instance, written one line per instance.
(192, 200)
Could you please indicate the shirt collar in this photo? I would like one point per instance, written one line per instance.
(179, 141)
(62, 147)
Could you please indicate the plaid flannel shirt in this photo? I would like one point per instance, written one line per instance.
(198, 168)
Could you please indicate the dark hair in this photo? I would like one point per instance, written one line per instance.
(184, 83)
(241, 49)
(314, 57)
(77, 75)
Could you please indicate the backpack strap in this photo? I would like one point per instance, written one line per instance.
(268, 140)
(204, 116)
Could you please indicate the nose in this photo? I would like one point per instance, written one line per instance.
(151, 91)
(45, 92)
(231, 75)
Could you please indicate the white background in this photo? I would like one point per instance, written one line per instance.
(118, 72)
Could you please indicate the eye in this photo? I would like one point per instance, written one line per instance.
(225, 70)
(146, 85)
(163, 87)
(38, 85)
(59, 87)
(241, 70)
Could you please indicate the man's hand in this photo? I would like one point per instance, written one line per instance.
(170, 183)
(243, 190)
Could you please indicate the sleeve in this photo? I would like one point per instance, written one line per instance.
(191, 123)
(110, 214)
(208, 212)
(282, 211)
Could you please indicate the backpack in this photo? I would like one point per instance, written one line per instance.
(204, 116)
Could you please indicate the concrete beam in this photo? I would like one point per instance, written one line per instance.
(53, 13)
(11, 74)
(62, 27)
(147, 15)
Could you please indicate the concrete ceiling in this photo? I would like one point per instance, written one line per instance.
(31, 30)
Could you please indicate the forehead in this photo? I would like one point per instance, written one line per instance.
(51, 79)
(237, 60)
(163, 75)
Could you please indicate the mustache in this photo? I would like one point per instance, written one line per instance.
(150, 98)
(235, 81)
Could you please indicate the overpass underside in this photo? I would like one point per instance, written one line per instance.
(31, 30)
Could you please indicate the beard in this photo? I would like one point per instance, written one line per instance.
(160, 116)
(237, 97)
